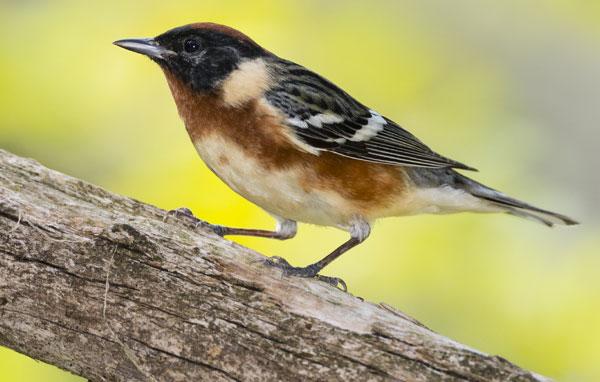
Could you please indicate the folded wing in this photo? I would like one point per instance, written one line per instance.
(326, 118)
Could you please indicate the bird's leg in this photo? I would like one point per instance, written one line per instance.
(280, 233)
(359, 231)
(286, 229)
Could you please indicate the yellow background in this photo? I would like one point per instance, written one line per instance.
(510, 87)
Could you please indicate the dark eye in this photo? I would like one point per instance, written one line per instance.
(191, 45)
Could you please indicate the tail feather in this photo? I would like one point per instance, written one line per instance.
(524, 210)
(513, 206)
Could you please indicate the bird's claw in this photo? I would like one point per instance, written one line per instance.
(182, 211)
(336, 282)
(306, 272)
(278, 262)
(198, 223)
(217, 229)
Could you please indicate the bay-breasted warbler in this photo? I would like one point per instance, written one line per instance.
(301, 148)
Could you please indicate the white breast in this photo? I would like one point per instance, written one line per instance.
(277, 191)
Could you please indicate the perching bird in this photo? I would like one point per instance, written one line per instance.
(301, 148)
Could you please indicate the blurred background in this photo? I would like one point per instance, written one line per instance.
(511, 87)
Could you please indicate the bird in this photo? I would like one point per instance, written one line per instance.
(295, 144)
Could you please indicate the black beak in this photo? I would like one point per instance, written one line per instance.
(146, 46)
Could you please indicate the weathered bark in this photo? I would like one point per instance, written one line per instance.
(100, 285)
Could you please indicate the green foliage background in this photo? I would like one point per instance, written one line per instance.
(510, 87)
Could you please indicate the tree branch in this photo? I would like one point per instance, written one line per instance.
(98, 284)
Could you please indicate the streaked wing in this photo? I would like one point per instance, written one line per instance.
(326, 118)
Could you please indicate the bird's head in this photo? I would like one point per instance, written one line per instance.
(200, 55)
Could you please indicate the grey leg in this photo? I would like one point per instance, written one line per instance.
(359, 230)
(285, 229)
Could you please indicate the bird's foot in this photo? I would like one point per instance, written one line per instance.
(179, 213)
(306, 272)
(187, 214)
